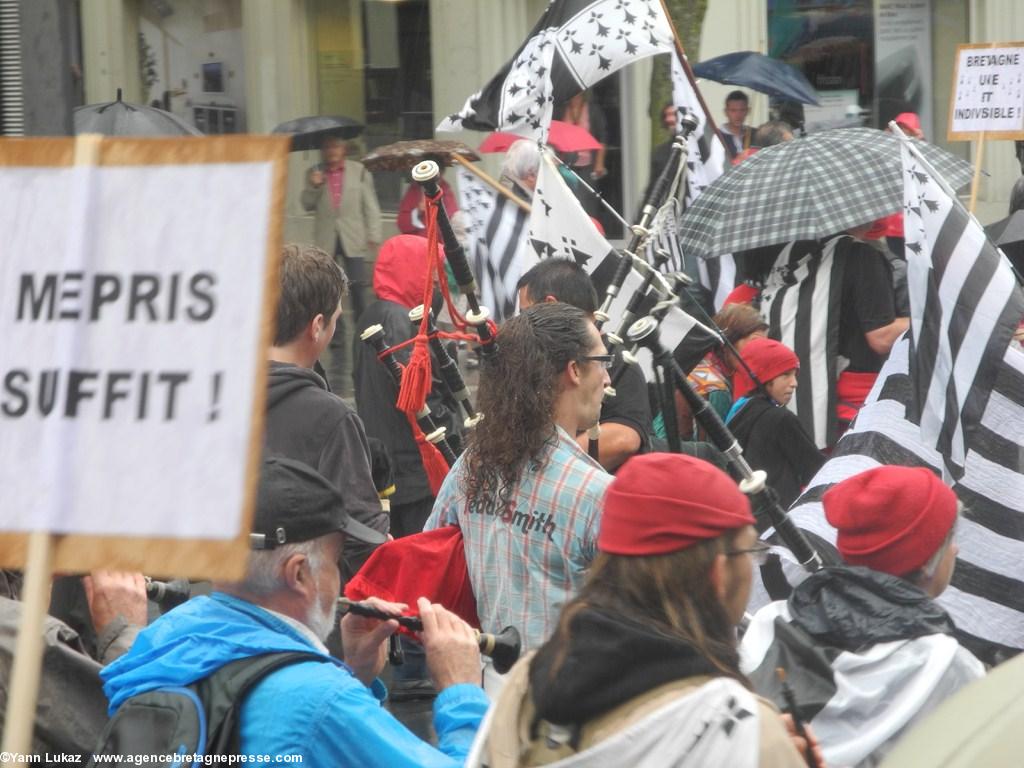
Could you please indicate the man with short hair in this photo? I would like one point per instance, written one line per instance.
(340, 194)
(626, 416)
(526, 496)
(736, 136)
(876, 652)
(305, 421)
(323, 710)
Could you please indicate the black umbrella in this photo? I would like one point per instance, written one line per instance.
(760, 73)
(1008, 234)
(310, 132)
(1007, 231)
(119, 118)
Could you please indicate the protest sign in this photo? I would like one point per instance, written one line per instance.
(988, 92)
(137, 287)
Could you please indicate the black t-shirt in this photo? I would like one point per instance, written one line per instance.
(630, 405)
(867, 302)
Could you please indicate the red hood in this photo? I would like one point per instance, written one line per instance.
(401, 269)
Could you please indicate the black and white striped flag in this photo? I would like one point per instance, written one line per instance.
(496, 233)
(575, 44)
(560, 228)
(964, 306)
(706, 157)
(986, 597)
(705, 161)
(800, 303)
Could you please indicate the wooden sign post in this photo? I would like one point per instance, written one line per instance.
(987, 101)
(138, 281)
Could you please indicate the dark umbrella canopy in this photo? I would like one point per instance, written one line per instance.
(1008, 234)
(309, 132)
(806, 189)
(760, 73)
(404, 155)
(1007, 231)
(119, 118)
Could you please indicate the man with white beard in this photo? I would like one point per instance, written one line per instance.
(324, 710)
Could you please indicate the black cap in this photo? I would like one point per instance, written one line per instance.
(296, 503)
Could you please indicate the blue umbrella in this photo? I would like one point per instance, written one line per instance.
(760, 73)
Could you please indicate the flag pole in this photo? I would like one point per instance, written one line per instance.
(608, 206)
(485, 177)
(686, 66)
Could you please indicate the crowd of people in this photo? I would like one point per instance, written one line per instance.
(626, 569)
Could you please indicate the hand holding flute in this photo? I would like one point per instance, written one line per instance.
(503, 648)
(451, 645)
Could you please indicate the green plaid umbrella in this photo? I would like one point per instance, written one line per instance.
(806, 189)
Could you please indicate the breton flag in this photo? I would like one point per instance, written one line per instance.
(705, 161)
(986, 596)
(560, 228)
(496, 233)
(575, 44)
(800, 303)
(964, 307)
(706, 157)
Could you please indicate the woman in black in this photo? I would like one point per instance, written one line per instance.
(771, 435)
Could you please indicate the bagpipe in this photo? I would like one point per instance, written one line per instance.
(641, 329)
(438, 448)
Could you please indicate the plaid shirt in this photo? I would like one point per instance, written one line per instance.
(525, 564)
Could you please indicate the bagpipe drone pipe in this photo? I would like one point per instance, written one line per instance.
(438, 450)
(765, 502)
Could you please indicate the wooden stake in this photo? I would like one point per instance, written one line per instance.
(977, 170)
(485, 177)
(28, 650)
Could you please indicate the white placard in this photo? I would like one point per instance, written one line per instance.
(131, 312)
(988, 92)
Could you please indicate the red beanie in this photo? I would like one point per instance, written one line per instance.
(891, 519)
(908, 120)
(665, 502)
(767, 358)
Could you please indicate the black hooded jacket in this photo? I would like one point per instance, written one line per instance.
(307, 423)
(610, 660)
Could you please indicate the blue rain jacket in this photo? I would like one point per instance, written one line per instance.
(316, 709)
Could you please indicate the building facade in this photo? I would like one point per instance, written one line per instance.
(400, 65)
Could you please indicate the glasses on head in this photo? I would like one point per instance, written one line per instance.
(758, 554)
(605, 361)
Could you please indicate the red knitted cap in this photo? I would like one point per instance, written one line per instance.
(767, 358)
(909, 120)
(891, 519)
(665, 502)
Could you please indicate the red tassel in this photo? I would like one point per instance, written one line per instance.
(416, 379)
(433, 462)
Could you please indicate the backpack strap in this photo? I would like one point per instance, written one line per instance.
(223, 693)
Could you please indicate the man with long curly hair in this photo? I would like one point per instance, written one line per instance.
(526, 496)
